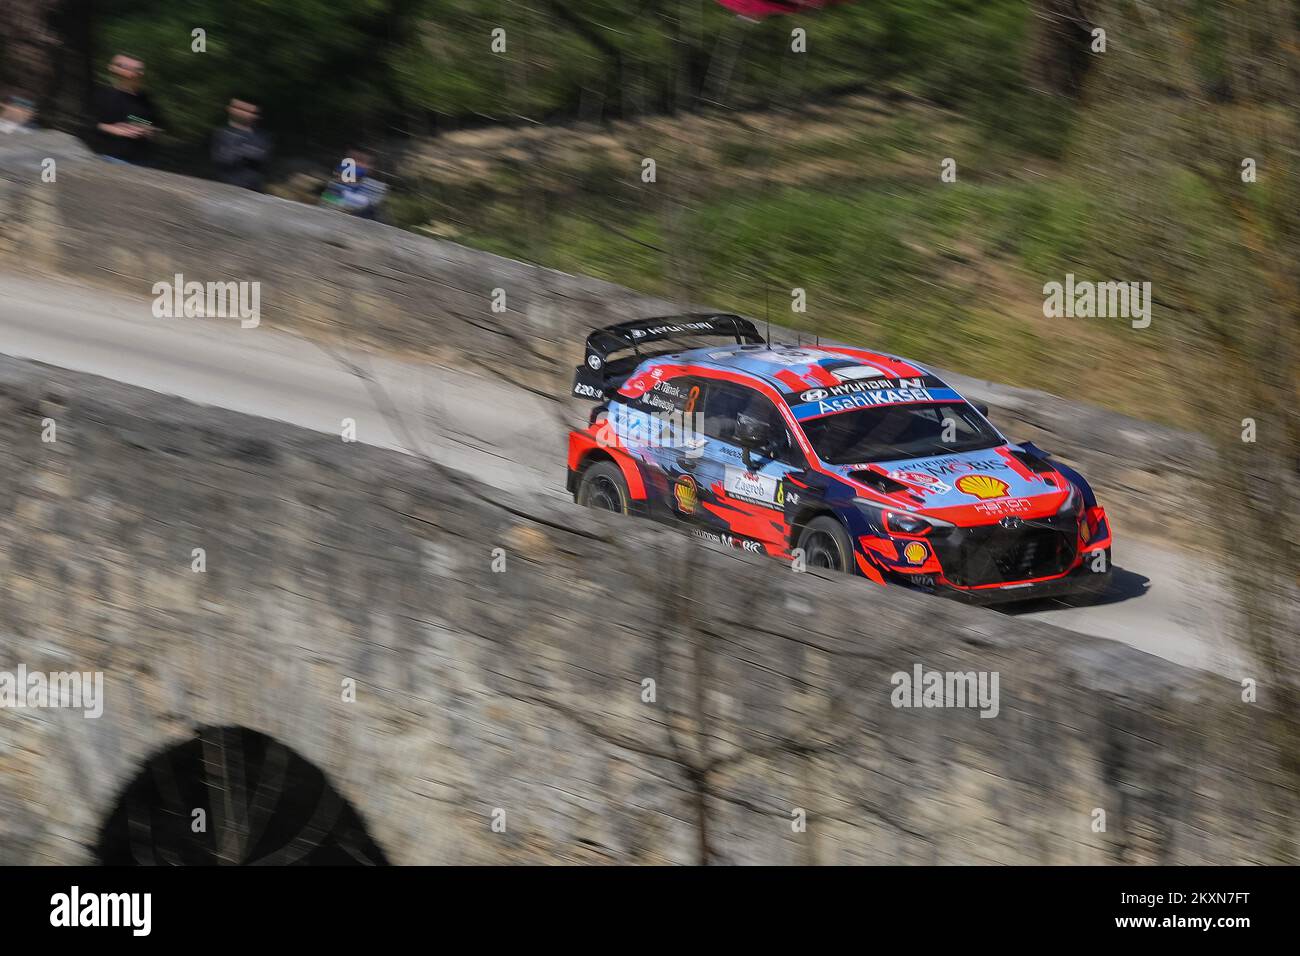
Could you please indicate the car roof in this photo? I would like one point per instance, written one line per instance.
(794, 368)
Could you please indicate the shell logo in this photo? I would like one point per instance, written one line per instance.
(914, 553)
(686, 494)
(983, 487)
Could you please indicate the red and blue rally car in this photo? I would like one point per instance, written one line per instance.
(839, 457)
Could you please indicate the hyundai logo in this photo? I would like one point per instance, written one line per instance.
(593, 361)
(1011, 521)
(813, 395)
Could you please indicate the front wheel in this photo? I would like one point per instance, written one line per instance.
(825, 544)
(604, 488)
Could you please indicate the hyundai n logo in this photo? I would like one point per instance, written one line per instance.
(813, 395)
(1011, 521)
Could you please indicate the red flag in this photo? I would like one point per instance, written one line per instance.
(766, 8)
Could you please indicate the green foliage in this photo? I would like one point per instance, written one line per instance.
(307, 62)
(338, 70)
(849, 247)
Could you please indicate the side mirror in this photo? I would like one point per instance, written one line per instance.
(981, 408)
(753, 434)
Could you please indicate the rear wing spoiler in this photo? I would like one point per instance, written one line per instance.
(600, 375)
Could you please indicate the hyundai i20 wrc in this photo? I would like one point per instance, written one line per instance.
(843, 458)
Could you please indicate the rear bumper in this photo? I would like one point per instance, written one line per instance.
(590, 445)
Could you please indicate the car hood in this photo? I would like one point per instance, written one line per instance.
(981, 480)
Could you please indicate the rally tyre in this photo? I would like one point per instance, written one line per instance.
(604, 488)
(825, 544)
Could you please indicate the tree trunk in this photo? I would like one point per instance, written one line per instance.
(46, 55)
(1060, 53)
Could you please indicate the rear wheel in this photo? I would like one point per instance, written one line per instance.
(825, 544)
(604, 488)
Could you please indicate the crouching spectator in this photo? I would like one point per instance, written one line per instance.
(354, 188)
(17, 115)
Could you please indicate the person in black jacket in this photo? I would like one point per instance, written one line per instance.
(126, 120)
(240, 151)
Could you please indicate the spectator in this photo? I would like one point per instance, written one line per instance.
(354, 189)
(125, 118)
(16, 115)
(239, 151)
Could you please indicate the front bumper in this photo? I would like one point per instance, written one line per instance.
(993, 565)
(1083, 580)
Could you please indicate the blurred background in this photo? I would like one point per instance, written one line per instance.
(779, 168)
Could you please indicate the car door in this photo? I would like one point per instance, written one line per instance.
(743, 501)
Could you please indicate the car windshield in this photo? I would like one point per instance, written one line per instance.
(889, 432)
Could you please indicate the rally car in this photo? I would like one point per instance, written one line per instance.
(829, 457)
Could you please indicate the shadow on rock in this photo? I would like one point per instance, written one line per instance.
(1124, 585)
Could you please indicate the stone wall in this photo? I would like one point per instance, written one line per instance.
(522, 690)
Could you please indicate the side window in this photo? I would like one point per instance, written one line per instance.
(725, 402)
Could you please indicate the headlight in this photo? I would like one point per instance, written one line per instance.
(905, 523)
(885, 521)
(900, 522)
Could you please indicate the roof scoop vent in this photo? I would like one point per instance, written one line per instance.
(1038, 466)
